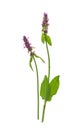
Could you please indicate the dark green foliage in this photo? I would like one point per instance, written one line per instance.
(45, 89)
(49, 89)
(54, 85)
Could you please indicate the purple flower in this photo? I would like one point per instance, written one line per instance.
(27, 44)
(45, 23)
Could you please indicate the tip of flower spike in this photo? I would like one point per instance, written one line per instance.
(45, 23)
(45, 14)
(27, 44)
(25, 39)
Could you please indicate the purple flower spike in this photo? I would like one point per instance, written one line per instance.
(27, 44)
(45, 23)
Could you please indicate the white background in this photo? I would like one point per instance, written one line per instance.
(18, 82)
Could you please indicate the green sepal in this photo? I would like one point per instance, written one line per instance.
(54, 85)
(43, 38)
(45, 89)
(30, 63)
(48, 40)
(39, 58)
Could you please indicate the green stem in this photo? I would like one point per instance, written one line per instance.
(37, 88)
(43, 110)
(43, 113)
(48, 61)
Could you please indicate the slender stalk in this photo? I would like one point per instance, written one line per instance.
(48, 61)
(43, 113)
(37, 88)
(43, 110)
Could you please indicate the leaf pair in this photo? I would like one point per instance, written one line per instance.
(49, 89)
(31, 59)
(46, 38)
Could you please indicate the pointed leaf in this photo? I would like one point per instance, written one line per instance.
(54, 85)
(39, 58)
(48, 39)
(43, 37)
(30, 61)
(45, 89)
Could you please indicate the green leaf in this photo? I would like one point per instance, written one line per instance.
(39, 58)
(54, 85)
(45, 89)
(48, 39)
(30, 61)
(43, 37)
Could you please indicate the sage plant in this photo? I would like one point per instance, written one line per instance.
(33, 57)
(48, 88)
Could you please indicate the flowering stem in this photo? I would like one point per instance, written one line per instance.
(44, 110)
(48, 61)
(37, 88)
(43, 113)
